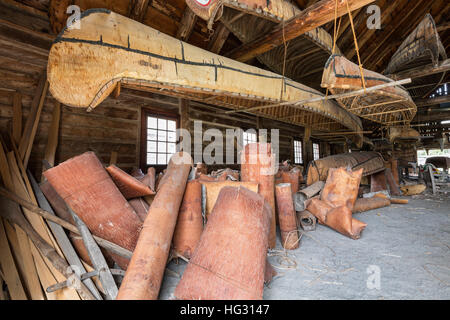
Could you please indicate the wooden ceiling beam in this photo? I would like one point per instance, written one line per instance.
(309, 19)
(432, 101)
(187, 24)
(138, 9)
(433, 116)
(420, 72)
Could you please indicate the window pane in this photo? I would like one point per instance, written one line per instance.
(162, 147)
(151, 134)
(152, 122)
(151, 146)
(171, 147)
(151, 158)
(162, 158)
(162, 124)
(162, 135)
(171, 136)
(171, 125)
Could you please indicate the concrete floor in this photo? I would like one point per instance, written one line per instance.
(408, 244)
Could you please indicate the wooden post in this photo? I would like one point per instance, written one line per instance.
(307, 146)
(185, 122)
(52, 142)
(433, 184)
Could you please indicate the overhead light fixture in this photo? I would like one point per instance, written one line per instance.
(445, 122)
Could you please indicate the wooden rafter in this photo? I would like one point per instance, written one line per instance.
(314, 16)
(218, 40)
(422, 71)
(187, 24)
(138, 9)
(386, 34)
(432, 101)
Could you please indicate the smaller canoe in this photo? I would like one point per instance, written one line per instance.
(422, 48)
(388, 106)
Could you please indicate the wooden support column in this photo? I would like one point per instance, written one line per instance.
(185, 122)
(309, 19)
(307, 147)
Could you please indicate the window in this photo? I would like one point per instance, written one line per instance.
(161, 139)
(298, 158)
(249, 137)
(316, 151)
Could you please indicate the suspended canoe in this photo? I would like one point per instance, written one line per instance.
(305, 55)
(388, 105)
(423, 47)
(406, 134)
(275, 10)
(85, 65)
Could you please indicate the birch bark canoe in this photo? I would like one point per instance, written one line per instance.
(422, 48)
(389, 105)
(275, 10)
(85, 65)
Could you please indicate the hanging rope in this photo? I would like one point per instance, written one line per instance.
(335, 35)
(284, 63)
(356, 46)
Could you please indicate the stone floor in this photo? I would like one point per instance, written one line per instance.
(404, 253)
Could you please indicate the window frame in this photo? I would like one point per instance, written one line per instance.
(249, 133)
(300, 151)
(318, 149)
(149, 112)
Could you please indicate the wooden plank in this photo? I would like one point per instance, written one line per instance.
(52, 142)
(314, 16)
(30, 273)
(26, 264)
(9, 269)
(17, 117)
(48, 275)
(26, 143)
(63, 239)
(97, 258)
